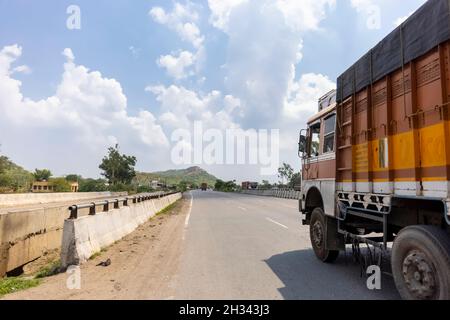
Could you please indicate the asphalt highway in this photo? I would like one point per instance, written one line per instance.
(248, 247)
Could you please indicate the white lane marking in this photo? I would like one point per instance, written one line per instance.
(277, 223)
(186, 222)
(242, 208)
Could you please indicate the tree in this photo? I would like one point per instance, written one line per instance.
(3, 163)
(92, 185)
(219, 185)
(5, 180)
(296, 181)
(118, 168)
(223, 186)
(182, 186)
(12, 177)
(60, 185)
(144, 189)
(42, 175)
(265, 185)
(285, 172)
(73, 178)
(195, 186)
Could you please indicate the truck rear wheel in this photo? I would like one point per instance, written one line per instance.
(318, 236)
(421, 263)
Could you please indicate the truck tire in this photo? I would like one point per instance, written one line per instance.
(317, 233)
(421, 263)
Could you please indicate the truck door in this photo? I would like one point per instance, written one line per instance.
(311, 167)
(319, 166)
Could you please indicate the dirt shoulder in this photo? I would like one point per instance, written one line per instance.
(144, 265)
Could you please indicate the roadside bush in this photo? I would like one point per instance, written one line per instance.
(144, 189)
(60, 185)
(92, 185)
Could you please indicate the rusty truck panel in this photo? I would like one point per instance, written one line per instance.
(394, 136)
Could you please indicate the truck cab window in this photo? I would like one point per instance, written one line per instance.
(330, 127)
(315, 140)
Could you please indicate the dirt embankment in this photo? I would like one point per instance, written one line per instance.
(143, 265)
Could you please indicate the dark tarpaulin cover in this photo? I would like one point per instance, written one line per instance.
(428, 27)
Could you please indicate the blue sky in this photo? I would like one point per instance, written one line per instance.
(234, 50)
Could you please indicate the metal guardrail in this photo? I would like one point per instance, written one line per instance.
(115, 202)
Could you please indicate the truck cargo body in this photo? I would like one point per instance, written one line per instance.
(392, 131)
(376, 158)
(394, 136)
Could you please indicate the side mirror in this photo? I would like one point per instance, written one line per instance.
(302, 144)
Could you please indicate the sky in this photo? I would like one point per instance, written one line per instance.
(77, 77)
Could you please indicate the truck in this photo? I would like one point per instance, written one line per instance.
(204, 186)
(376, 158)
(247, 185)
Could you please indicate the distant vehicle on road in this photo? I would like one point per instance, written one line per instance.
(204, 186)
(376, 157)
(247, 185)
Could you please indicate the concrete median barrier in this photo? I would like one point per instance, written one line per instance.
(87, 235)
(28, 233)
(25, 235)
(285, 194)
(10, 200)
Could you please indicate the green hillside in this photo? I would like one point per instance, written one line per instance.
(13, 178)
(193, 175)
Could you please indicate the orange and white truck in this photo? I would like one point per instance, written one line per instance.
(376, 157)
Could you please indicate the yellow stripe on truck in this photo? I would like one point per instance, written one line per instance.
(432, 151)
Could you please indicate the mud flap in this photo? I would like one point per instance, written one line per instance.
(335, 240)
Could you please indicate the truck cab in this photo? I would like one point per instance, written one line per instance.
(318, 153)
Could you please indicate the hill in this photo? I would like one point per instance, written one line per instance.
(13, 178)
(193, 175)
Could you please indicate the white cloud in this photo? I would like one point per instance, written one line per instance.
(135, 52)
(22, 69)
(86, 114)
(182, 19)
(180, 107)
(299, 15)
(361, 5)
(303, 95)
(400, 20)
(7, 56)
(265, 44)
(299, 55)
(221, 10)
(304, 15)
(67, 52)
(178, 66)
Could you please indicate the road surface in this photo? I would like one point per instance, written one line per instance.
(218, 246)
(247, 247)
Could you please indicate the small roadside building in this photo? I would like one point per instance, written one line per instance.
(41, 187)
(48, 187)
